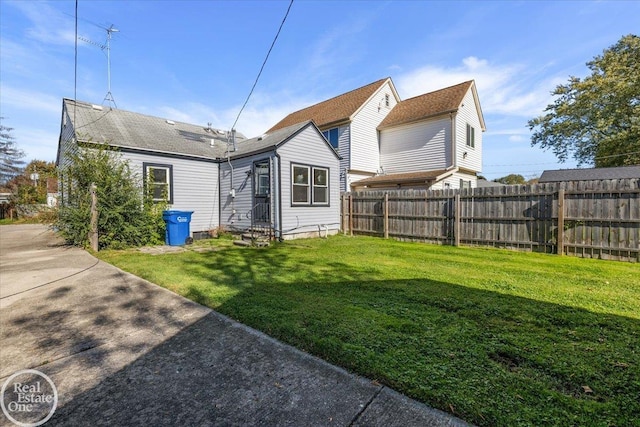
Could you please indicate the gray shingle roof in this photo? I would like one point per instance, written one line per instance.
(270, 140)
(137, 131)
(590, 174)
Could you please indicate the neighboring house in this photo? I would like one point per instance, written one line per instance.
(429, 141)
(590, 174)
(52, 192)
(225, 179)
(349, 123)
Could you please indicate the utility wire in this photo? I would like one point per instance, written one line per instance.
(263, 64)
(75, 71)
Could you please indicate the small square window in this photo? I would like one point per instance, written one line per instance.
(158, 181)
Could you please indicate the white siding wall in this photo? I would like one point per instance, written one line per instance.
(454, 181)
(365, 151)
(195, 187)
(308, 148)
(344, 147)
(416, 146)
(242, 203)
(468, 114)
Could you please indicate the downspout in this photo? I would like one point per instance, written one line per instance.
(454, 160)
(278, 203)
(232, 192)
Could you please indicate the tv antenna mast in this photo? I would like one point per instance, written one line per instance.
(106, 47)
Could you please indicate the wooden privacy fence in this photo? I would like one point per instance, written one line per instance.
(595, 219)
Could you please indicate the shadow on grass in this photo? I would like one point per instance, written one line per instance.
(490, 358)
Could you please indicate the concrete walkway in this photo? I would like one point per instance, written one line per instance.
(123, 351)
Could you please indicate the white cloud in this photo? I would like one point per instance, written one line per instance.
(509, 89)
(30, 100)
(517, 138)
(48, 25)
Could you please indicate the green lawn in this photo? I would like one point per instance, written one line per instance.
(498, 338)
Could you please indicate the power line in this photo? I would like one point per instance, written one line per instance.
(263, 64)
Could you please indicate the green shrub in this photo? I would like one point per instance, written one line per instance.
(126, 216)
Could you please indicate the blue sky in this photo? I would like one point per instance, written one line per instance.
(195, 61)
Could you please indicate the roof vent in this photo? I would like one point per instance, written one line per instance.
(96, 107)
(171, 122)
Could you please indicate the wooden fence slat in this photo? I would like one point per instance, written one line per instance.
(590, 219)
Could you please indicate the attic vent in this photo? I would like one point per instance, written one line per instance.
(171, 122)
(96, 107)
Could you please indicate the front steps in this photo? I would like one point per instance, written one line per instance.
(254, 238)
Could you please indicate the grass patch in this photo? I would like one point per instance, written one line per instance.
(499, 338)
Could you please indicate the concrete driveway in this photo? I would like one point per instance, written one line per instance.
(123, 351)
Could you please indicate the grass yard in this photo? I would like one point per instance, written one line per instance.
(498, 338)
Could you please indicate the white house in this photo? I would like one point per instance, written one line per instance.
(429, 141)
(349, 122)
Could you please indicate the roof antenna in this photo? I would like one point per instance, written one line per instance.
(107, 46)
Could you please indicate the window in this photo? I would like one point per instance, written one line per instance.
(386, 100)
(332, 136)
(464, 184)
(309, 186)
(158, 180)
(471, 136)
(320, 186)
(300, 185)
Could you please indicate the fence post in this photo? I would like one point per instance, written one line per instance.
(93, 225)
(386, 215)
(560, 222)
(351, 214)
(456, 219)
(342, 215)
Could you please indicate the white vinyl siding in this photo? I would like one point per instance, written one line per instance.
(195, 186)
(365, 153)
(454, 180)
(236, 209)
(416, 146)
(309, 149)
(468, 117)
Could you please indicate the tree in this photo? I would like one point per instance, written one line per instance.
(27, 191)
(10, 155)
(127, 215)
(511, 179)
(597, 119)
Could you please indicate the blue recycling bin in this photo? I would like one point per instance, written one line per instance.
(177, 227)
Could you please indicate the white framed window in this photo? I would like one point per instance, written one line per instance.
(309, 185)
(464, 184)
(471, 136)
(158, 180)
(300, 185)
(320, 186)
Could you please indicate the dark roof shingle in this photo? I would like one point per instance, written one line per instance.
(137, 131)
(589, 174)
(334, 110)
